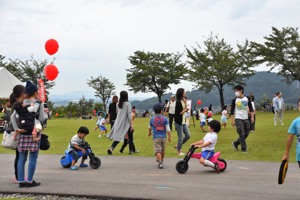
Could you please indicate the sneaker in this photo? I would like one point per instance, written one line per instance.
(109, 151)
(137, 151)
(33, 184)
(73, 168)
(275, 124)
(282, 124)
(131, 152)
(22, 185)
(234, 147)
(217, 167)
(161, 165)
(83, 165)
(99, 136)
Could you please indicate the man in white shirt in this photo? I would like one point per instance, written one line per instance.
(278, 108)
(171, 110)
(239, 117)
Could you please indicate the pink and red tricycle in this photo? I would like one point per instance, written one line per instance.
(182, 166)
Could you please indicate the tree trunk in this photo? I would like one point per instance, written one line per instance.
(159, 97)
(221, 97)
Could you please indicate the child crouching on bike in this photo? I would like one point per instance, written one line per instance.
(74, 146)
(208, 144)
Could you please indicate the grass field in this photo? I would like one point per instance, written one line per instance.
(267, 143)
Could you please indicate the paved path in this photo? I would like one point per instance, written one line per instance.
(135, 177)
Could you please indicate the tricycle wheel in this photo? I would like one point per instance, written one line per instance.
(222, 164)
(182, 166)
(95, 163)
(64, 163)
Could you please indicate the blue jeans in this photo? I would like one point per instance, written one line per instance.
(182, 129)
(31, 166)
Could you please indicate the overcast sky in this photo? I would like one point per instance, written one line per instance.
(96, 37)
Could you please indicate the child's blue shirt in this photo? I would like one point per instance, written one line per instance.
(159, 125)
(295, 130)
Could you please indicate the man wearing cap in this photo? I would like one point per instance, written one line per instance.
(171, 110)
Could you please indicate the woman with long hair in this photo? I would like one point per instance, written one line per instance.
(112, 111)
(180, 125)
(19, 95)
(123, 122)
(26, 144)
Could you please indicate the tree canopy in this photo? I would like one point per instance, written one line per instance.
(28, 70)
(217, 65)
(154, 72)
(104, 89)
(281, 50)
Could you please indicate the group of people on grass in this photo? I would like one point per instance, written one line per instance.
(28, 113)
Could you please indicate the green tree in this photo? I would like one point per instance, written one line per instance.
(104, 88)
(72, 107)
(281, 50)
(154, 72)
(218, 65)
(85, 106)
(28, 70)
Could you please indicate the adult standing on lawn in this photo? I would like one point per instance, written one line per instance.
(112, 111)
(17, 95)
(26, 144)
(278, 108)
(180, 125)
(123, 122)
(171, 110)
(239, 117)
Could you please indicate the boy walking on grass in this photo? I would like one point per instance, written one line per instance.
(159, 126)
(75, 145)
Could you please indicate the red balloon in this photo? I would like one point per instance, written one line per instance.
(51, 72)
(51, 46)
(199, 102)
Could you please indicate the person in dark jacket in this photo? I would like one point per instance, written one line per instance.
(180, 125)
(112, 111)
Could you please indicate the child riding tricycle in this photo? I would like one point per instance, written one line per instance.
(78, 148)
(207, 157)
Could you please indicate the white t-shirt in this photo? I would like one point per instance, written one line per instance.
(224, 113)
(241, 108)
(279, 103)
(102, 122)
(171, 106)
(212, 138)
(202, 117)
(75, 140)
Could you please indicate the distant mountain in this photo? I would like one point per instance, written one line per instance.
(262, 84)
(76, 96)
